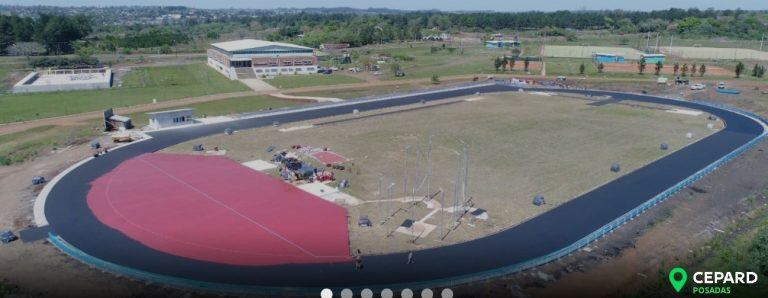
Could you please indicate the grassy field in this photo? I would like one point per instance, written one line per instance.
(520, 145)
(716, 53)
(417, 61)
(587, 51)
(297, 81)
(26, 145)
(140, 86)
(358, 93)
(226, 107)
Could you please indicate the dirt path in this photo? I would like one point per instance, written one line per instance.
(77, 119)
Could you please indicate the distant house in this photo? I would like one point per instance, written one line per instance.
(334, 46)
(501, 44)
(653, 58)
(607, 58)
(437, 37)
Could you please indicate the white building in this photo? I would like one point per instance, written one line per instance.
(64, 80)
(249, 57)
(163, 119)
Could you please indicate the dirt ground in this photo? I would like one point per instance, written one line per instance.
(641, 251)
(668, 69)
(519, 145)
(625, 259)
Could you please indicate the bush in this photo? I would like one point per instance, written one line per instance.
(61, 62)
(403, 57)
(435, 79)
(759, 250)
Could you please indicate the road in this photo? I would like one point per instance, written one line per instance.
(72, 220)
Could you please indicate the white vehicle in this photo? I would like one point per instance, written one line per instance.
(698, 87)
(721, 85)
(334, 68)
(355, 69)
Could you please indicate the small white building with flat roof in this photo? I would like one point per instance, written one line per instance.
(164, 119)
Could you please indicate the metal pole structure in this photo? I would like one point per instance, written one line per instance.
(657, 43)
(389, 199)
(429, 166)
(442, 211)
(466, 173)
(379, 197)
(670, 45)
(405, 172)
(762, 39)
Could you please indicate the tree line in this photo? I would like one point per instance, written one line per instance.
(55, 32)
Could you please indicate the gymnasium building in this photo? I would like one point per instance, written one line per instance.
(250, 58)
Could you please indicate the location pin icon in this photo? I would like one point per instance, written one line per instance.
(677, 277)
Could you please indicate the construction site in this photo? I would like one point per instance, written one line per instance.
(438, 173)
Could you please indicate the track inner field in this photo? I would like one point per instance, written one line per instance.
(213, 209)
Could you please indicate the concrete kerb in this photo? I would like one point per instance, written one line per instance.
(38, 208)
(473, 277)
(40, 200)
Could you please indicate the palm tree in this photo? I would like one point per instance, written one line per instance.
(641, 66)
(702, 70)
(658, 67)
(526, 62)
(684, 71)
(739, 69)
(676, 67)
(600, 67)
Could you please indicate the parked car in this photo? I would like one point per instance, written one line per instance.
(721, 85)
(334, 68)
(698, 86)
(355, 69)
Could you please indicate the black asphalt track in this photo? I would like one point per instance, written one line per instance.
(71, 219)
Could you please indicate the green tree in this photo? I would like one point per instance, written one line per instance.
(676, 68)
(504, 63)
(600, 67)
(758, 250)
(641, 66)
(394, 68)
(435, 79)
(512, 61)
(497, 63)
(684, 70)
(84, 51)
(526, 63)
(702, 70)
(582, 68)
(739, 69)
(658, 67)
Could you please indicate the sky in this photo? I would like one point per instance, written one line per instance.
(445, 5)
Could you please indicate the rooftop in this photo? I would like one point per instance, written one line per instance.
(244, 44)
(170, 111)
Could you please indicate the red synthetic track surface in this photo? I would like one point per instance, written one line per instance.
(328, 157)
(214, 209)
